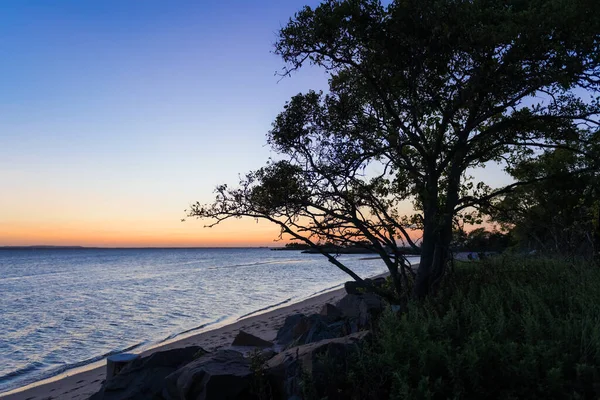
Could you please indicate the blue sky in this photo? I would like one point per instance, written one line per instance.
(140, 81)
(115, 115)
(129, 110)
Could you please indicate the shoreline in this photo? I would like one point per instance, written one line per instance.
(81, 382)
(148, 346)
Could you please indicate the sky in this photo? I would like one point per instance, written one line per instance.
(116, 115)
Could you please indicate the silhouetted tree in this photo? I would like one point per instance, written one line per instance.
(420, 91)
(481, 240)
(558, 214)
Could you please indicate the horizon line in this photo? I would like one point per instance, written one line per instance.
(42, 246)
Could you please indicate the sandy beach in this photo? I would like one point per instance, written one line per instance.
(79, 385)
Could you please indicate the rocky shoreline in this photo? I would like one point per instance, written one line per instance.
(314, 320)
(252, 365)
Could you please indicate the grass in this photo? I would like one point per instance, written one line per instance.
(500, 328)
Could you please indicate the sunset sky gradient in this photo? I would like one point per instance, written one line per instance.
(116, 115)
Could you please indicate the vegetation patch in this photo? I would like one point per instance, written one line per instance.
(501, 328)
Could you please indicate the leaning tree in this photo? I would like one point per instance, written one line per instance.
(420, 92)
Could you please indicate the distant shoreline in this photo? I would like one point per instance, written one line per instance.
(51, 247)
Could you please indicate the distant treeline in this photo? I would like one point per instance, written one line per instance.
(336, 249)
(482, 240)
(42, 247)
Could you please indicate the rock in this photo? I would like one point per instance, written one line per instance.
(349, 305)
(116, 362)
(144, 378)
(331, 312)
(292, 329)
(353, 287)
(309, 329)
(253, 352)
(372, 303)
(223, 375)
(267, 354)
(320, 329)
(287, 370)
(362, 308)
(246, 339)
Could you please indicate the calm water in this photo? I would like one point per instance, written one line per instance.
(63, 308)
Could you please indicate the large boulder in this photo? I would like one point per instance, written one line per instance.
(143, 379)
(361, 309)
(320, 328)
(300, 329)
(248, 340)
(292, 368)
(354, 287)
(331, 312)
(293, 327)
(223, 375)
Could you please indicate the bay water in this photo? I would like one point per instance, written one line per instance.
(64, 308)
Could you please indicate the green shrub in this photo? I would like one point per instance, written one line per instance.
(260, 387)
(500, 328)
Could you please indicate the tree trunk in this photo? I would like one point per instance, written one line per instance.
(430, 233)
(426, 266)
(397, 281)
(434, 258)
(437, 236)
(596, 246)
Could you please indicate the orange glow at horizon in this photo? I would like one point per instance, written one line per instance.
(190, 234)
(167, 232)
(140, 234)
(67, 221)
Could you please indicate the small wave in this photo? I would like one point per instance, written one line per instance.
(259, 263)
(59, 370)
(339, 285)
(266, 308)
(21, 371)
(179, 314)
(35, 275)
(177, 263)
(174, 335)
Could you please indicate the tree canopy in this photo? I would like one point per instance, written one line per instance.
(420, 92)
(559, 214)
